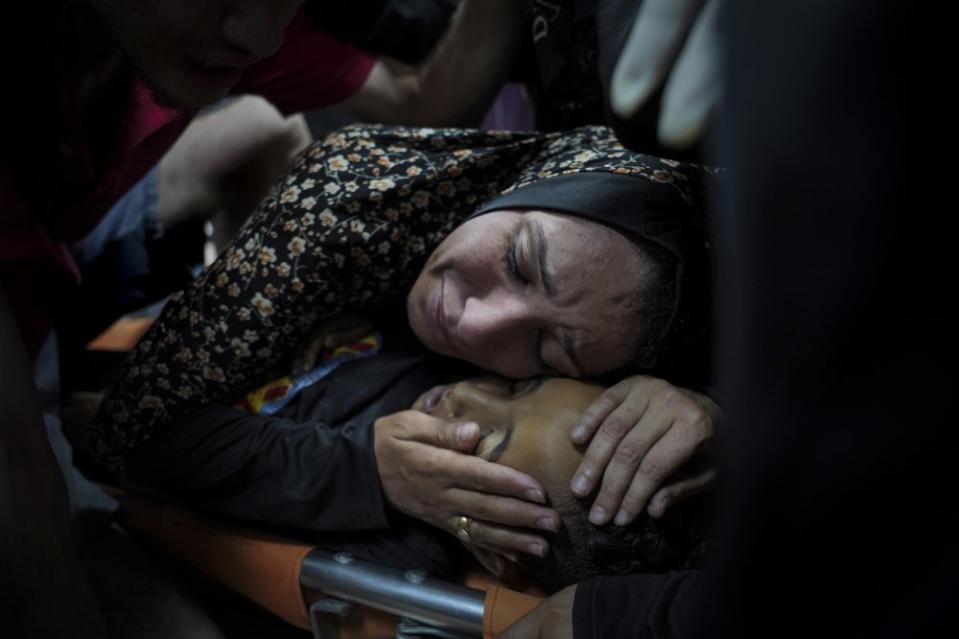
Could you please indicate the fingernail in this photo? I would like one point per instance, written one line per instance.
(536, 549)
(579, 432)
(629, 93)
(534, 494)
(465, 432)
(659, 508)
(579, 484)
(597, 516)
(547, 523)
(622, 517)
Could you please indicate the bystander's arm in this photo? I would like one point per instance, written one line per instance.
(459, 80)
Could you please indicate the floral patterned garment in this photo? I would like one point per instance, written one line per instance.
(350, 227)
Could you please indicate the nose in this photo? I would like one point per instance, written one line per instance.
(495, 321)
(256, 26)
(479, 399)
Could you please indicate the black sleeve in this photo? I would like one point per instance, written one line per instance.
(406, 30)
(650, 606)
(266, 469)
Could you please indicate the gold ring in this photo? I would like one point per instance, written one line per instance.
(462, 526)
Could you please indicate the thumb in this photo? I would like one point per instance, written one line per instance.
(452, 435)
(461, 436)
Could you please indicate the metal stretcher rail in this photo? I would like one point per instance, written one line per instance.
(408, 594)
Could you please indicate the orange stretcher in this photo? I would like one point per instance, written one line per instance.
(336, 596)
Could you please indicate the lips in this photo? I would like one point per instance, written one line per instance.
(210, 72)
(438, 315)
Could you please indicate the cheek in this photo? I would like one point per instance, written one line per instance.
(417, 306)
(552, 472)
(477, 243)
(522, 458)
(419, 290)
(560, 457)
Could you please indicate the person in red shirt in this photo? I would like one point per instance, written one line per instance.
(101, 90)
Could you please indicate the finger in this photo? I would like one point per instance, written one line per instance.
(477, 548)
(419, 427)
(598, 411)
(655, 40)
(682, 441)
(622, 440)
(624, 464)
(501, 510)
(494, 562)
(507, 540)
(480, 476)
(693, 87)
(675, 492)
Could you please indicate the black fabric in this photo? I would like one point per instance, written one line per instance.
(575, 46)
(837, 334)
(403, 29)
(565, 85)
(648, 606)
(311, 466)
(839, 512)
(309, 469)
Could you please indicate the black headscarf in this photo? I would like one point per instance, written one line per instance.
(350, 227)
(656, 203)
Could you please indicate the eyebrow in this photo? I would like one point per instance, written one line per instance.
(497, 452)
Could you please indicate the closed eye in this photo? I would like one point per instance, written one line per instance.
(511, 261)
(521, 387)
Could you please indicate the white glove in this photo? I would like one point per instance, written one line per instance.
(679, 39)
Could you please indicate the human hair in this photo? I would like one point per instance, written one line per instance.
(581, 550)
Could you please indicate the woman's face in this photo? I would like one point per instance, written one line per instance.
(531, 293)
(524, 425)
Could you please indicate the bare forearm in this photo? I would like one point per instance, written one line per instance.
(41, 590)
(456, 85)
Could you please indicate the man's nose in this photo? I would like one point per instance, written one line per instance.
(476, 400)
(256, 26)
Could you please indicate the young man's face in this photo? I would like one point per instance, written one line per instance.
(193, 51)
(525, 424)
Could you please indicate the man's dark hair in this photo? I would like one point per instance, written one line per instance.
(581, 550)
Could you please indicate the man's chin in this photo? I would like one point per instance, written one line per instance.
(183, 99)
(177, 93)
